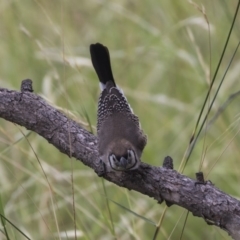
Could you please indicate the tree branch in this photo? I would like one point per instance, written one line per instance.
(203, 200)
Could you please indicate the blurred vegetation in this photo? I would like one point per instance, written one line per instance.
(161, 59)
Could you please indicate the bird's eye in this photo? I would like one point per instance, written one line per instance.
(131, 155)
(112, 158)
(114, 163)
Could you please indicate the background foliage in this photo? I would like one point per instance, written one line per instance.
(162, 60)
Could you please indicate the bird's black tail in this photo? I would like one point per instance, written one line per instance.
(101, 62)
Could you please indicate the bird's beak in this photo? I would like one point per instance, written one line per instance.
(123, 162)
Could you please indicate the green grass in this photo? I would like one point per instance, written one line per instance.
(161, 58)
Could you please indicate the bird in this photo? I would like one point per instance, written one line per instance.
(120, 138)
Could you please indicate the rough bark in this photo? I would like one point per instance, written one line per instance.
(203, 200)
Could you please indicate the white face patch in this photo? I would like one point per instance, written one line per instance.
(123, 163)
(131, 156)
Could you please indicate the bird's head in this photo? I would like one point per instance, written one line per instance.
(123, 156)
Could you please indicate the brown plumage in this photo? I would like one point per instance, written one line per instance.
(120, 137)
